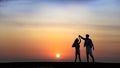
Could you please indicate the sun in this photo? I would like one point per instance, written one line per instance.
(57, 55)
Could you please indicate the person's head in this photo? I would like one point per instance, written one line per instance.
(87, 35)
(76, 40)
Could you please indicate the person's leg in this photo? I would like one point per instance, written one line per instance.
(92, 57)
(87, 57)
(79, 58)
(87, 53)
(79, 54)
(75, 56)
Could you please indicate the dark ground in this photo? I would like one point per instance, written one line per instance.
(59, 65)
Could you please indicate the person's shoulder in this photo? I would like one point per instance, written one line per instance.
(90, 39)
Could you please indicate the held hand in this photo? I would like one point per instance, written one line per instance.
(79, 36)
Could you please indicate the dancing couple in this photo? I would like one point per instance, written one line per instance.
(87, 43)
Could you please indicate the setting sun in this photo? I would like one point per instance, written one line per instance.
(57, 55)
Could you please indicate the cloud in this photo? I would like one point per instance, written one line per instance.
(53, 12)
(24, 13)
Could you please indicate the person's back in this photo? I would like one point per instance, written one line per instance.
(88, 43)
(77, 45)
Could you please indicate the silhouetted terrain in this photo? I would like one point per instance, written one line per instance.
(58, 65)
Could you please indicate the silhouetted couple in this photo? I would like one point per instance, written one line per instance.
(87, 43)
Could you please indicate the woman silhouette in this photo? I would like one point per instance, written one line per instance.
(77, 49)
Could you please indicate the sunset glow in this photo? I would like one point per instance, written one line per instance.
(57, 55)
(33, 30)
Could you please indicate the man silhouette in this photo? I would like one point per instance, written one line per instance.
(89, 45)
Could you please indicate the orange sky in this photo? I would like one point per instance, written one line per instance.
(45, 42)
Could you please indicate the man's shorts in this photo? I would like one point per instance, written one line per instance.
(88, 50)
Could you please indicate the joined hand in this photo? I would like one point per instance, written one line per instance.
(79, 36)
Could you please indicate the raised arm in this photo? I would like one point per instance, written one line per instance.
(79, 40)
(82, 37)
